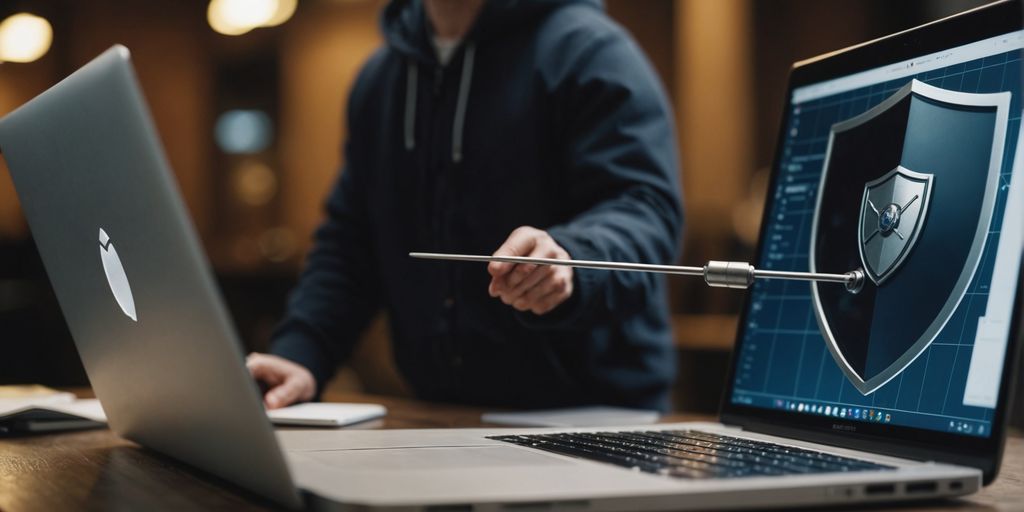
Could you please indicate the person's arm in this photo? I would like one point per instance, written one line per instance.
(535, 288)
(286, 382)
(337, 294)
(621, 170)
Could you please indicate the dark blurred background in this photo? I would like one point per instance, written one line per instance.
(252, 124)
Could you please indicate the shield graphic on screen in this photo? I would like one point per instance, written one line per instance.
(891, 214)
(907, 193)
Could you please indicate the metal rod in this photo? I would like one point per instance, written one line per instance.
(600, 265)
(726, 274)
(802, 276)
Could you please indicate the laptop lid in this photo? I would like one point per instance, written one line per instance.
(132, 280)
(900, 157)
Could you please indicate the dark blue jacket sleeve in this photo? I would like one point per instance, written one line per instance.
(337, 294)
(621, 169)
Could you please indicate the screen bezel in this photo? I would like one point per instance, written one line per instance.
(917, 443)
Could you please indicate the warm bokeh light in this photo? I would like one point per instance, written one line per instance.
(215, 17)
(285, 9)
(236, 17)
(254, 183)
(24, 38)
(278, 244)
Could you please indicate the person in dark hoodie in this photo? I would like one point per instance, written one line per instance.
(515, 127)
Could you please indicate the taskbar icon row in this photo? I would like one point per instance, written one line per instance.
(836, 411)
(966, 427)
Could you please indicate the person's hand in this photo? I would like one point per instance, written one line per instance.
(287, 382)
(536, 288)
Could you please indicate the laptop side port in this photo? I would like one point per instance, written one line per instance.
(922, 487)
(528, 506)
(546, 505)
(879, 489)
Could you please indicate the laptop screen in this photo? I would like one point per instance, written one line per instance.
(909, 172)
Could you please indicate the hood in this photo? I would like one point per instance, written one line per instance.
(405, 29)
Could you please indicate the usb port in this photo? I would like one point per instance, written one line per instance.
(880, 489)
(922, 487)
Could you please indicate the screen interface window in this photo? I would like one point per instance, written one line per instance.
(911, 174)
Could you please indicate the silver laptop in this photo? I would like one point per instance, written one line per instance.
(901, 157)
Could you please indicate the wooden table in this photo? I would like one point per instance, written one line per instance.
(98, 470)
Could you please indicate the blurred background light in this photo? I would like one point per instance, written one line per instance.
(277, 244)
(24, 38)
(219, 22)
(236, 17)
(254, 183)
(285, 10)
(243, 131)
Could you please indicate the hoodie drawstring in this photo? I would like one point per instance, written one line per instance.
(458, 127)
(460, 105)
(410, 106)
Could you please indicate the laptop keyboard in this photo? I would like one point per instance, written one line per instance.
(691, 453)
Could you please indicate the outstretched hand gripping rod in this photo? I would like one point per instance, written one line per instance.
(722, 274)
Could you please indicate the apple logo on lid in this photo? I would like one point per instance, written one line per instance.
(116, 277)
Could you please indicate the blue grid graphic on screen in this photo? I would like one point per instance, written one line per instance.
(784, 362)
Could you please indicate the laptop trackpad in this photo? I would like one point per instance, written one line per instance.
(433, 458)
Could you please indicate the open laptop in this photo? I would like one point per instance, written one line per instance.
(901, 156)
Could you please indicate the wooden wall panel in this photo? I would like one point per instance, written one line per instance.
(169, 45)
(322, 50)
(714, 111)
